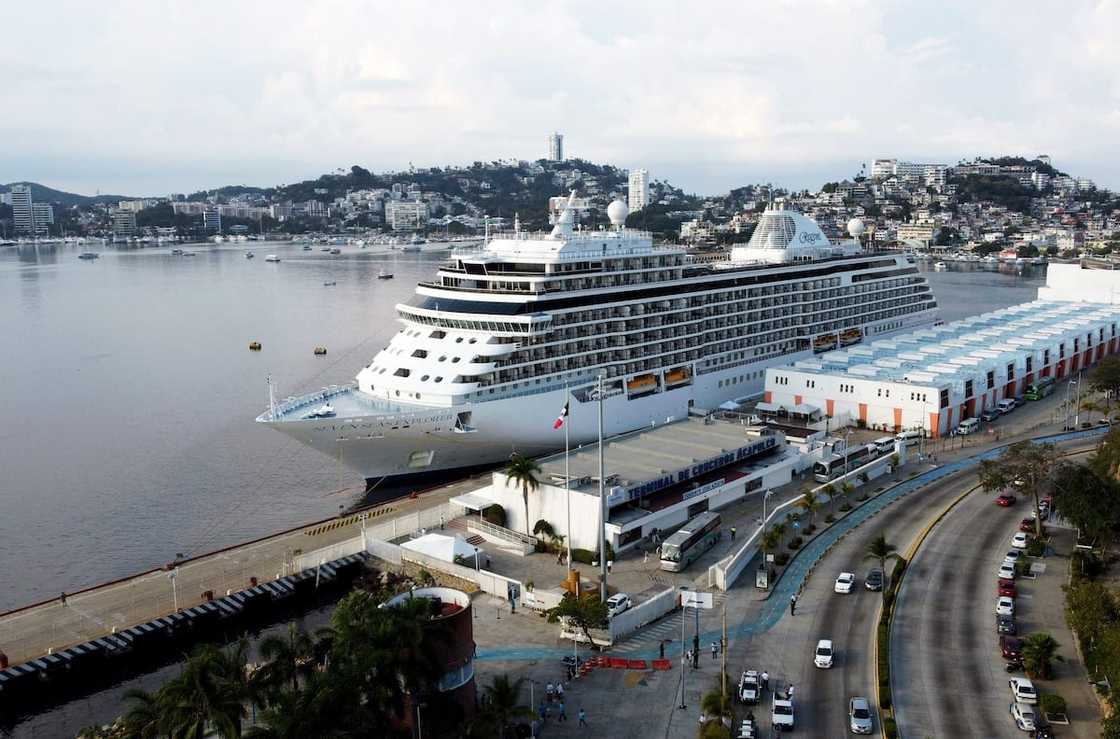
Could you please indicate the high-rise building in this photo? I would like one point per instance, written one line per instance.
(881, 169)
(556, 147)
(406, 215)
(22, 211)
(639, 190)
(124, 223)
(42, 216)
(212, 219)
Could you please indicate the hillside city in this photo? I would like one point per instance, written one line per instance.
(984, 205)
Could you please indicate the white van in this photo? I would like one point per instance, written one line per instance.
(884, 445)
(1005, 406)
(968, 426)
(909, 437)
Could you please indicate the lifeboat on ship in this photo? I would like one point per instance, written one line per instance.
(678, 376)
(641, 385)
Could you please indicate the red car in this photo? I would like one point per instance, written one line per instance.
(1026, 525)
(1005, 499)
(1005, 587)
(1010, 647)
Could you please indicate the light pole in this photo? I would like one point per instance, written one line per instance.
(1077, 415)
(174, 589)
(681, 705)
(476, 559)
(602, 506)
(567, 475)
(765, 497)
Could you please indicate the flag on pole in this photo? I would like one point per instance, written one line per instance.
(561, 418)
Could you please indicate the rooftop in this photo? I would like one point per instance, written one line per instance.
(957, 350)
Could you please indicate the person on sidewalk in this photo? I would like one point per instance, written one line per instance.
(792, 604)
(715, 650)
(582, 717)
(563, 712)
(560, 691)
(550, 692)
(661, 648)
(765, 680)
(732, 533)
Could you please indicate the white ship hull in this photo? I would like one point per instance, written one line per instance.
(429, 439)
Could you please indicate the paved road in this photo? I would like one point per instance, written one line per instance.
(947, 673)
(849, 620)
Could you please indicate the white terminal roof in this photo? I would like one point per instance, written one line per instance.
(956, 351)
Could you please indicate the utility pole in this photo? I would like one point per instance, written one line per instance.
(682, 706)
(567, 474)
(723, 650)
(602, 506)
(1077, 416)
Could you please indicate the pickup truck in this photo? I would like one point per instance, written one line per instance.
(749, 687)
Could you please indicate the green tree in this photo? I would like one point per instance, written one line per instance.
(1106, 461)
(144, 717)
(771, 540)
(503, 703)
(1088, 500)
(286, 658)
(1105, 377)
(715, 703)
(208, 697)
(522, 471)
(880, 550)
(583, 613)
(1039, 652)
(810, 503)
(1025, 465)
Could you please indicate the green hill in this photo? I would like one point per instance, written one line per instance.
(44, 194)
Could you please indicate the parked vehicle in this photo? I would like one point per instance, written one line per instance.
(1005, 499)
(911, 436)
(989, 415)
(1019, 541)
(844, 582)
(617, 603)
(885, 445)
(749, 687)
(1006, 571)
(1005, 587)
(1022, 690)
(1040, 389)
(1006, 625)
(1011, 647)
(781, 714)
(690, 541)
(859, 716)
(968, 426)
(1011, 556)
(1005, 606)
(1006, 405)
(1023, 715)
(1027, 524)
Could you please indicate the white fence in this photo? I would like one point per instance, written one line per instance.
(317, 557)
(410, 523)
(643, 614)
(391, 553)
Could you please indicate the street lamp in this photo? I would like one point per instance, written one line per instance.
(765, 497)
(1077, 415)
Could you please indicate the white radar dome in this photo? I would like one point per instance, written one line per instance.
(617, 212)
(856, 228)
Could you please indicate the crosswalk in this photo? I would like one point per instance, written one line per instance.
(668, 629)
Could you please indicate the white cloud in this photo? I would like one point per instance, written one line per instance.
(151, 97)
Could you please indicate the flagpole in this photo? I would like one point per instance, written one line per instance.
(567, 477)
(602, 506)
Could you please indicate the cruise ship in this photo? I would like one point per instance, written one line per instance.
(489, 350)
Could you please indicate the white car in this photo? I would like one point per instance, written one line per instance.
(781, 714)
(844, 582)
(1022, 690)
(1023, 715)
(1005, 606)
(1007, 571)
(1019, 541)
(822, 658)
(749, 687)
(1012, 556)
(617, 603)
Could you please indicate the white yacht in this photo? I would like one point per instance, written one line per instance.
(487, 349)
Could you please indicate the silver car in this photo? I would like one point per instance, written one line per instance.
(859, 716)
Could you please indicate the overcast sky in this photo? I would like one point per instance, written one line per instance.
(153, 97)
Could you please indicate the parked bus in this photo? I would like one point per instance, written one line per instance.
(690, 541)
(1039, 389)
(829, 469)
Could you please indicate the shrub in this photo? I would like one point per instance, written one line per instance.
(845, 506)
(781, 558)
(863, 497)
(1052, 703)
(795, 543)
(829, 518)
(890, 728)
(587, 556)
(1035, 548)
(495, 514)
(810, 529)
(543, 528)
(714, 730)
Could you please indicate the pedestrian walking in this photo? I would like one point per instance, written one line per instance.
(732, 533)
(563, 712)
(765, 680)
(582, 717)
(550, 692)
(789, 691)
(661, 649)
(715, 650)
(792, 604)
(560, 557)
(688, 656)
(559, 692)
(535, 728)
(645, 556)
(63, 597)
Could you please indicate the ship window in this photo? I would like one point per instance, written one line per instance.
(459, 340)
(472, 341)
(443, 358)
(403, 372)
(439, 379)
(455, 359)
(421, 353)
(424, 378)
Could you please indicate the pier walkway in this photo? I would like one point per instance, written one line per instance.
(51, 626)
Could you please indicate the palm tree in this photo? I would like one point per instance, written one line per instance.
(1039, 652)
(846, 490)
(881, 550)
(208, 696)
(286, 657)
(142, 720)
(779, 530)
(716, 705)
(522, 471)
(810, 503)
(1026, 465)
(502, 702)
(771, 540)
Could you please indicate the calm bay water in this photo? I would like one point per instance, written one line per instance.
(129, 395)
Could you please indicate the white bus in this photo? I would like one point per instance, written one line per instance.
(690, 541)
(829, 469)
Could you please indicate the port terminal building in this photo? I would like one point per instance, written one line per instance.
(655, 479)
(932, 379)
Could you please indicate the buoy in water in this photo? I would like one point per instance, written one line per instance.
(254, 346)
(320, 350)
